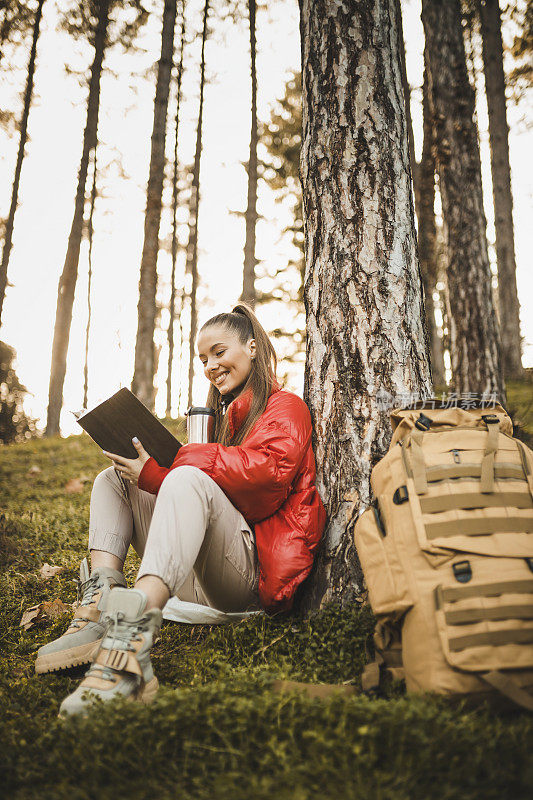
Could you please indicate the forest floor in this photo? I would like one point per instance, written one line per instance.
(217, 729)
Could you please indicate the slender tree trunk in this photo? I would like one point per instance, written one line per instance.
(475, 352)
(424, 195)
(143, 376)
(192, 246)
(8, 238)
(172, 304)
(509, 309)
(90, 231)
(427, 235)
(366, 339)
(69, 276)
(248, 285)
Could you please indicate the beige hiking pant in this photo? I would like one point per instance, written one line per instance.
(189, 535)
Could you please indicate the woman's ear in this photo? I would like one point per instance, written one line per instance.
(251, 345)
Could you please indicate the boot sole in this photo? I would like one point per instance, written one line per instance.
(63, 659)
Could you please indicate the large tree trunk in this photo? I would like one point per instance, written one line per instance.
(427, 235)
(143, 376)
(8, 237)
(174, 246)
(192, 246)
(69, 276)
(475, 348)
(248, 284)
(509, 309)
(366, 339)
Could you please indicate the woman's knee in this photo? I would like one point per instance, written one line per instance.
(107, 475)
(184, 476)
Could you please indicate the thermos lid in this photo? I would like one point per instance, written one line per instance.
(200, 410)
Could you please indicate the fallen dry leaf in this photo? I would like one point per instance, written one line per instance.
(29, 617)
(49, 608)
(48, 571)
(34, 470)
(74, 486)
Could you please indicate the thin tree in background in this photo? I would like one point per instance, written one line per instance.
(67, 282)
(475, 347)
(88, 20)
(423, 175)
(192, 246)
(90, 231)
(143, 376)
(248, 284)
(427, 235)
(509, 309)
(174, 244)
(366, 339)
(10, 222)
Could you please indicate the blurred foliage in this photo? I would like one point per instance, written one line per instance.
(15, 426)
(217, 731)
(520, 78)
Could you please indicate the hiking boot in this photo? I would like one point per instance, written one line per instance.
(80, 642)
(122, 666)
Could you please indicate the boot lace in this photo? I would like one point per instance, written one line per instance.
(86, 592)
(122, 633)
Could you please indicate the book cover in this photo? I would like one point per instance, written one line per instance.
(113, 423)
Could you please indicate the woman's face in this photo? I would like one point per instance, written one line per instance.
(227, 362)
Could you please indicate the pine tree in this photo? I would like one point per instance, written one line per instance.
(509, 309)
(143, 376)
(475, 345)
(366, 338)
(248, 286)
(192, 246)
(174, 242)
(23, 126)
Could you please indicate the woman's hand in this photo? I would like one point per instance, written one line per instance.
(130, 468)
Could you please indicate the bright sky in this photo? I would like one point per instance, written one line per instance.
(49, 180)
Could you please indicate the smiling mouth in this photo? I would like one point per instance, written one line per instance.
(220, 378)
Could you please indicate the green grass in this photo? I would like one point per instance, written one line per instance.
(217, 729)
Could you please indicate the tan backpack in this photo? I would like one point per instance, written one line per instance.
(447, 554)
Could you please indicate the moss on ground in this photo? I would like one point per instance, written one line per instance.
(217, 730)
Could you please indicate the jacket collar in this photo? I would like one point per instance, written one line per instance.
(239, 408)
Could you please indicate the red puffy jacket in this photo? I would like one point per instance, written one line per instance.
(270, 478)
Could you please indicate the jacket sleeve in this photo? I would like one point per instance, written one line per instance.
(256, 476)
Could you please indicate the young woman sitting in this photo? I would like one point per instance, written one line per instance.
(232, 524)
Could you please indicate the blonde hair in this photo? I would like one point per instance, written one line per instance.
(245, 324)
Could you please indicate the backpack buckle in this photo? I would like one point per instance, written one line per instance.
(462, 571)
(490, 419)
(423, 423)
(400, 495)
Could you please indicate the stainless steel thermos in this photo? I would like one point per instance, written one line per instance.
(200, 424)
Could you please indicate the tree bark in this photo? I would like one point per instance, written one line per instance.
(143, 376)
(366, 339)
(10, 222)
(69, 276)
(248, 285)
(427, 235)
(90, 232)
(509, 309)
(475, 347)
(174, 246)
(192, 246)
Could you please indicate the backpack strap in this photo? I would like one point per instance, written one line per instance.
(487, 465)
(508, 687)
(527, 470)
(418, 464)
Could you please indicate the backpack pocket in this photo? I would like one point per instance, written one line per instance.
(485, 618)
(385, 577)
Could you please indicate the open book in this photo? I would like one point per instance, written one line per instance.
(114, 423)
